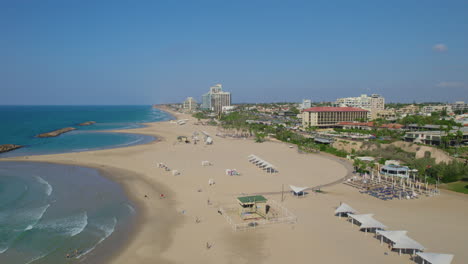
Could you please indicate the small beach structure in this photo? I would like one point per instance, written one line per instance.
(298, 191)
(175, 172)
(232, 172)
(253, 207)
(344, 209)
(183, 139)
(264, 165)
(435, 258)
(395, 170)
(206, 163)
(400, 241)
(366, 222)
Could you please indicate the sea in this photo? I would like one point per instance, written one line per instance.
(51, 213)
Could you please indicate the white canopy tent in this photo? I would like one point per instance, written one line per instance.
(344, 209)
(299, 191)
(268, 167)
(400, 240)
(435, 258)
(366, 221)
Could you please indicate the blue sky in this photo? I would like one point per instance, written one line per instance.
(145, 52)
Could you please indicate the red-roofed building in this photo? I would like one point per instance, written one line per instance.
(330, 116)
(392, 126)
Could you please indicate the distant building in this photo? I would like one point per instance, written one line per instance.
(459, 106)
(216, 98)
(190, 104)
(436, 108)
(435, 137)
(373, 103)
(228, 108)
(330, 116)
(409, 109)
(306, 103)
(388, 114)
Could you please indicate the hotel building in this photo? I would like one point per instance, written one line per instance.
(216, 98)
(331, 116)
(373, 103)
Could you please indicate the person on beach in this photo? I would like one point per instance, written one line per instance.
(162, 196)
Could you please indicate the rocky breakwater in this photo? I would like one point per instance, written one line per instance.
(56, 132)
(87, 123)
(9, 147)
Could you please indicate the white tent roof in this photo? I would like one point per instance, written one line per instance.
(401, 240)
(436, 258)
(367, 221)
(297, 189)
(344, 208)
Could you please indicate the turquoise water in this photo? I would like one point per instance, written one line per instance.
(20, 124)
(48, 211)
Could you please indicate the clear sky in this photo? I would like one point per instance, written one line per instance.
(145, 52)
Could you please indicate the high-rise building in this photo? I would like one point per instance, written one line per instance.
(190, 104)
(373, 103)
(306, 103)
(216, 98)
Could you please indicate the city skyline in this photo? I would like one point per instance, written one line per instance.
(87, 52)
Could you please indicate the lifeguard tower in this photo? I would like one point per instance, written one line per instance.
(253, 207)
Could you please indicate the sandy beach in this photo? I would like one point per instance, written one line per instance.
(167, 230)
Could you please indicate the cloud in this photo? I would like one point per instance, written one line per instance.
(440, 47)
(450, 84)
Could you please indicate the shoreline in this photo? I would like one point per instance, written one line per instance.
(167, 226)
(125, 179)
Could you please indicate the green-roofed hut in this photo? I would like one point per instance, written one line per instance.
(253, 207)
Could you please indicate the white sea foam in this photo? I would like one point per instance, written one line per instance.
(36, 258)
(132, 210)
(26, 215)
(3, 249)
(44, 182)
(107, 230)
(70, 226)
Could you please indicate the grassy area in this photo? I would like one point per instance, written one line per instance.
(459, 186)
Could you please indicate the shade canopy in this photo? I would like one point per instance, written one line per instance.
(436, 258)
(262, 163)
(252, 199)
(297, 189)
(367, 221)
(401, 240)
(345, 209)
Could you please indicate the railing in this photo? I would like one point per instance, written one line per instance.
(285, 217)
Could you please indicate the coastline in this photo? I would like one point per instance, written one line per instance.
(167, 226)
(134, 184)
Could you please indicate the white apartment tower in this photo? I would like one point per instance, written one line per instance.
(306, 103)
(190, 104)
(373, 103)
(216, 98)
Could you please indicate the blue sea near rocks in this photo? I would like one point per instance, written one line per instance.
(49, 211)
(20, 125)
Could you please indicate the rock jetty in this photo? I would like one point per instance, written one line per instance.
(87, 123)
(56, 132)
(9, 147)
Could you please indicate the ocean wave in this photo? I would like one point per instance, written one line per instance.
(69, 226)
(107, 230)
(31, 216)
(49, 188)
(132, 210)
